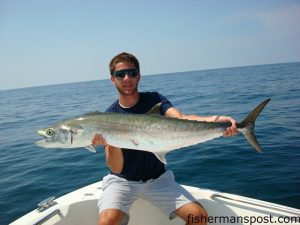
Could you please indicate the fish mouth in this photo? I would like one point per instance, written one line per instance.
(41, 143)
(45, 142)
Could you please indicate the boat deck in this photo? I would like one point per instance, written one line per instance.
(80, 208)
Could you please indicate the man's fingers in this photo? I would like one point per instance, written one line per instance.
(230, 131)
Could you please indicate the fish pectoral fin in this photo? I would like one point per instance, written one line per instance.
(90, 148)
(161, 157)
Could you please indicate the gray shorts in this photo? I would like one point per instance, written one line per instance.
(164, 192)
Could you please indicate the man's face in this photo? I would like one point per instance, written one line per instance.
(128, 85)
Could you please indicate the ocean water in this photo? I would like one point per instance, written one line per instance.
(29, 174)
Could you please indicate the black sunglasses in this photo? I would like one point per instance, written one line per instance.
(120, 74)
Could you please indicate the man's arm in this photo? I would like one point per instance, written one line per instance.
(175, 113)
(114, 155)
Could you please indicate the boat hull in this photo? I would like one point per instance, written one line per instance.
(80, 208)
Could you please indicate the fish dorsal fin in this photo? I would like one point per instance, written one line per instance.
(155, 110)
(161, 157)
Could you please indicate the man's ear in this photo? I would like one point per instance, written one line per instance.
(139, 77)
(112, 78)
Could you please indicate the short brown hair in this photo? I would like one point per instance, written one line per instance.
(123, 57)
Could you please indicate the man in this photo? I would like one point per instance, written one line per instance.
(137, 174)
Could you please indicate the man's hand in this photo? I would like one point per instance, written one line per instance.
(230, 131)
(99, 140)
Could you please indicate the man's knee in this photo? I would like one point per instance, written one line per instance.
(108, 221)
(201, 214)
(193, 213)
(111, 217)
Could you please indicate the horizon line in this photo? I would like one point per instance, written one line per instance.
(188, 71)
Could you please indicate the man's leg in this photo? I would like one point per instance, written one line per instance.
(115, 201)
(193, 213)
(111, 217)
(172, 198)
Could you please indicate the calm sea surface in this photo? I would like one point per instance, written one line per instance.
(29, 174)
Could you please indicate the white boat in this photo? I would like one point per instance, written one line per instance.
(80, 208)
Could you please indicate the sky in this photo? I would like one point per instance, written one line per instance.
(45, 42)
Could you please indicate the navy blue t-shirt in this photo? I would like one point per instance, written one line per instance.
(141, 165)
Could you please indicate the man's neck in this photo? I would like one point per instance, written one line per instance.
(127, 101)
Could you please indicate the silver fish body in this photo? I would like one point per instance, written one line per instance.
(156, 134)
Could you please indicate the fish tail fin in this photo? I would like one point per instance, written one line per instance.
(247, 125)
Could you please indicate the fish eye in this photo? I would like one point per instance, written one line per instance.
(49, 131)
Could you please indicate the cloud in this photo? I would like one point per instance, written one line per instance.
(258, 36)
(283, 19)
